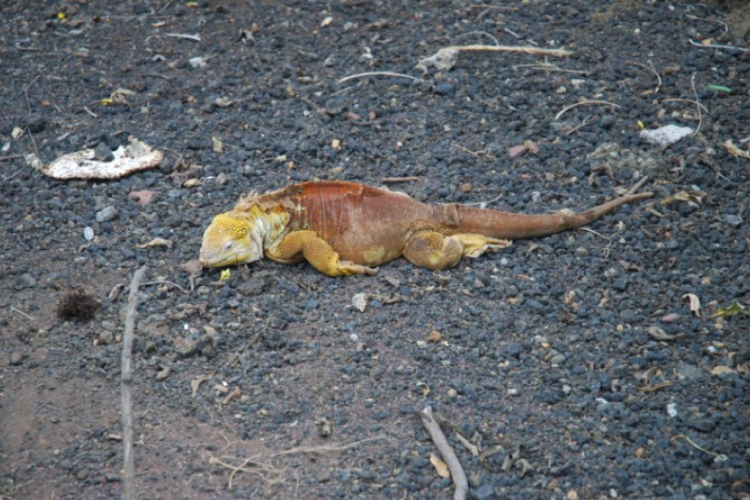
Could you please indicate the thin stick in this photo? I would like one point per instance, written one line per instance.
(487, 6)
(396, 180)
(128, 479)
(26, 91)
(696, 446)
(545, 66)
(376, 73)
(457, 472)
(195, 38)
(21, 313)
(677, 99)
(585, 103)
(638, 185)
(712, 46)
(511, 48)
(697, 102)
(658, 78)
(10, 157)
(578, 127)
(469, 33)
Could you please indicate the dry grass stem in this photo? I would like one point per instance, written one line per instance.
(697, 105)
(658, 77)
(397, 180)
(677, 99)
(484, 33)
(545, 66)
(717, 46)
(269, 473)
(21, 313)
(511, 48)
(376, 73)
(578, 127)
(585, 103)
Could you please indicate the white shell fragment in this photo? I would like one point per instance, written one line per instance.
(81, 165)
(359, 301)
(666, 135)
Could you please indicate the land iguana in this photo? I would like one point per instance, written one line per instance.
(343, 228)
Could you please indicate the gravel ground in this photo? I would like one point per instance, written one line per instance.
(573, 364)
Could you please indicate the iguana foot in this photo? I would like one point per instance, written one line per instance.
(435, 250)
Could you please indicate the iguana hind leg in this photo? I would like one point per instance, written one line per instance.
(318, 253)
(435, 250)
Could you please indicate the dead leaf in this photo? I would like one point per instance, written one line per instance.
(670, 318)
(721, 370)
(531, 146)
(143, 197)
(156, 242)
(197, 381)
(744, 368)
(336, 144)
(516, 151)
(468, 444)
(695, 303)
(694, 199)
(191, 183)
(733, 310)
(659, 334)
(425, 388)
(223, 102)
(217, 145)
(440, 466)
(235, 394)
(434, 336)
(192, 267)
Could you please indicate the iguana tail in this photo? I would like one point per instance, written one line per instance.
(514, 226)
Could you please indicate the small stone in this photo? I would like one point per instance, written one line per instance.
(105, 337)
(26, 281)
(514, 349)
(445, 89)
(17, 358)
(35, 123)
(88, 233)
(607, 121)
(572, 495)
(484, 492)
(106, 214)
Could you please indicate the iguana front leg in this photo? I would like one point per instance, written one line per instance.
(436, 251)
(306, 244)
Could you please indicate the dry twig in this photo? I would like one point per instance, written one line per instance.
(697, 104)
(716, 46)
(396, 180)
(658, 77)
(585, 103)
(21, 313)
(266, 471)
(128, 479)
(376, 73)
(449, 456)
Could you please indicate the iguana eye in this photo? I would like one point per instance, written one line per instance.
(227, 246)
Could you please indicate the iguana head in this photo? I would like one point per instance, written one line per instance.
(231, 239)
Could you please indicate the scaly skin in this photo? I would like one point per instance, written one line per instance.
(342, 228)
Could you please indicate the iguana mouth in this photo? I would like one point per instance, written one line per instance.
(229, 260)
